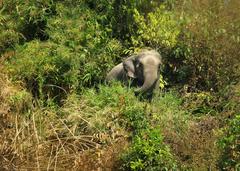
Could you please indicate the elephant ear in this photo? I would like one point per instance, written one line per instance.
(129, 67)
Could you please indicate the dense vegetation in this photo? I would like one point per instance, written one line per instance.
(57, 112)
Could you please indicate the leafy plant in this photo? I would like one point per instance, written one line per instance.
(46, 68)
(32, 17)
(148, 152)
(230, 158)
(159, 29)
(209, 44)
(9, 36)
(98, 52)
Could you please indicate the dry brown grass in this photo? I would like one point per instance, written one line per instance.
(7, 120)
(43, 141)
(106, 159)
(25, 149)
(196, 148)
(214, 40)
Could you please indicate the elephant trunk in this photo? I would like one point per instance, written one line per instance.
(150, 79)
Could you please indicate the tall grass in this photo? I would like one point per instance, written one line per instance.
(57, 114)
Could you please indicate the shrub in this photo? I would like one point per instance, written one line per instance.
(20, 102)
(31, 16)
(230, 158)
(167, 112)
(160, 29)
(9, 37)
(148, 152)
(110, 96)
(98, 52)
(77, 55)
(122, 17)
(209, 44)
(46, 68)
(111, 110)
(201, 103)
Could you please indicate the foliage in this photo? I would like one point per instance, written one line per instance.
(76, 56)
(9, 36)
(210, 38)
(230, 144)
(124, 24)
(90, 40)
(109, 110)
(159, 29)
(30, 16)
(166, 109)
(110, 96)
(148, 152)
(51, 69)
(56, 113)
(20, 101)
(230, 158)
(201, 103)
(113, 105)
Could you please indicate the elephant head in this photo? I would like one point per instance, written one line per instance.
(144, 67)
(123, 71)
(129, 67)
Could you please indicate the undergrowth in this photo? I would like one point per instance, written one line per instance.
(56, 112)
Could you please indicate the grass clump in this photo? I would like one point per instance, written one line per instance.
(106, 109)
(55, 114)
(98, 110)
(113, 112)
(113, 96)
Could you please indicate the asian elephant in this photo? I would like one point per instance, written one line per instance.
(142, 70)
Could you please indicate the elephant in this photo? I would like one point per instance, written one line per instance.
(123, 71)
(141, 69)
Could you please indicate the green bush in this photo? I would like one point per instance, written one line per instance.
(9, 36)
(77, 55)
(168, 114)
(22, 21)
(46, 68)
(148, 152)
(111, 109)
(136, 116)
(122, 17)
(91, 40)
(230, 158)
(31, 17)
(111, 96)
(159, 29)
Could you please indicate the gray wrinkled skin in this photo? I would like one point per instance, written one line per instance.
(143, 69)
